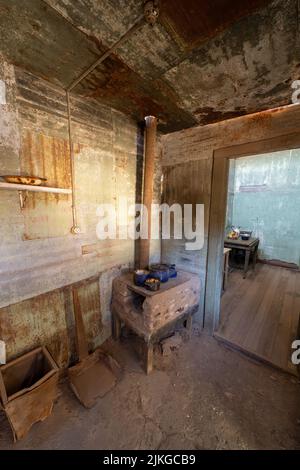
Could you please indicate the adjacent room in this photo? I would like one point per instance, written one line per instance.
(260, 305)
(150, 220)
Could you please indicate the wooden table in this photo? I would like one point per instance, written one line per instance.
(249, 246)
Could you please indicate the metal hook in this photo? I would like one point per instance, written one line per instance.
(23, 198)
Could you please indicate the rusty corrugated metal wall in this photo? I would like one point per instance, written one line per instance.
(39, 256)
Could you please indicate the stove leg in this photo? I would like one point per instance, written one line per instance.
(148, 357)
(189, 325)
(116, 327)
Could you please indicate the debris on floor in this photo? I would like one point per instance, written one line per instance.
(94, 378)
(95, 374)
(170, 344)
(149, 412)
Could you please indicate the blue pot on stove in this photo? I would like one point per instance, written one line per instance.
(172, 271)
(140, 276)
(160, 272)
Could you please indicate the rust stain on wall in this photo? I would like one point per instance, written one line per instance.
(263, 119)
(48, 320)
(34, 322)
(91, 311)
(46, 156)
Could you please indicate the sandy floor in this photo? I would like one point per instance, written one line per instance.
(202, 396)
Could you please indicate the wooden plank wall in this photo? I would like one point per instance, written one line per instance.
(36, 244)
(181, 152)
(186, 183)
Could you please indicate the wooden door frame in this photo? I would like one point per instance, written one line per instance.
(217, 215)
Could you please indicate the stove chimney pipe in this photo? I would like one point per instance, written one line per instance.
(150, 148)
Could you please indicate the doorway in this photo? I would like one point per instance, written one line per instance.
(259, 311)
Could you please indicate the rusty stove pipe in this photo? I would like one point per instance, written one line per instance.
(150, 148)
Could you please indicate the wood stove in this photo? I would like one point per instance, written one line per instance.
(154, 315)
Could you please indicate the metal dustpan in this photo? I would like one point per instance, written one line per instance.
(96, 373)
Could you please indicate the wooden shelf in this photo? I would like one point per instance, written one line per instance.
(39, 189)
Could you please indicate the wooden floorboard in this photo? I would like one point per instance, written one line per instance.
(260, 314)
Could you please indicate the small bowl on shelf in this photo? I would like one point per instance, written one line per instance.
(22, 179)
(152, 284)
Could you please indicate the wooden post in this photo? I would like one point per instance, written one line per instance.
(148, 357)
(81, 342)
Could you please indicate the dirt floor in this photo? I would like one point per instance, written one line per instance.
(200, 396)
